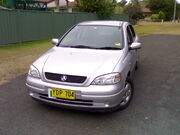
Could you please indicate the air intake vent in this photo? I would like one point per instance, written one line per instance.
(65, 78)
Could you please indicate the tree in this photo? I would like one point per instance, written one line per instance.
(122, 3)
(67, 3)
(135, 2)
(2, 3)
(178, 11)
(134, 11)
(166, 6)
(118, 10)
(161, 15)
(57, 5)
(154, 17)
(143, 3)
(103, 8)
(119, 7)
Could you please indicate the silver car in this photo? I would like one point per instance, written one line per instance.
(90, 68)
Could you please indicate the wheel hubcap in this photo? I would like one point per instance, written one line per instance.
(127, 94)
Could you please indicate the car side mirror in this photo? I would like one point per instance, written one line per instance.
(54, 41)
(135, 45)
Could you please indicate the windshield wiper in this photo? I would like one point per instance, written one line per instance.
(84, 46)
(79, 46)
(109, 48)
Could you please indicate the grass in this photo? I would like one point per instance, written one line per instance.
(144, 28)
(15, 59)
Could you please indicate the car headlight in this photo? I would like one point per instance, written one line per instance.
(107, 79)
(34, 72)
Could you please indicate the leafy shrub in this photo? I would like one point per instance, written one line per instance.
(162, 15)
(103, 8)
(118, 10)
(147, 19)
(134, 11)
(155, 17)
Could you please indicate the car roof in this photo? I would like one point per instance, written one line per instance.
(105, 23)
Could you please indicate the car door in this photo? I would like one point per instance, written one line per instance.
(130, 39)
(135, 39)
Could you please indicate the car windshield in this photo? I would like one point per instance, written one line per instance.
(94, 37)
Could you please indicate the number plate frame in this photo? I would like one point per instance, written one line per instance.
(61, 93)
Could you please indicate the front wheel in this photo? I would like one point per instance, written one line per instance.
(125, 101)
(127, 97)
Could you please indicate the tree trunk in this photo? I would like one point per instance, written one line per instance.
(57, 5)
(67, 3)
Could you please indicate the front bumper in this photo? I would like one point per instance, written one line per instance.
(87, 98)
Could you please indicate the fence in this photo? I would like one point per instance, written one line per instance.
(18, 26)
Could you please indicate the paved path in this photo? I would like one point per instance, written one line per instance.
(155, 109)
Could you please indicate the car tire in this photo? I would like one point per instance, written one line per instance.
(127, 96)
(121, 106)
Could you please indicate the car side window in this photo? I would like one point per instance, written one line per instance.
(132, 31)
(129, 36)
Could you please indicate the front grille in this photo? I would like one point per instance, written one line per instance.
(67, 78)
(67, 101)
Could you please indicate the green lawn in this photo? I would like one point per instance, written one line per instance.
(15, 59)
(144, 28)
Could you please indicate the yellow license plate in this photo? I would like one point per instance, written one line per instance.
(61, 93)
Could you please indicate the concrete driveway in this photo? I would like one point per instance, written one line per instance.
(155, 108)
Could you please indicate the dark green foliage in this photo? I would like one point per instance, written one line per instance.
(103, 8)
(155, 17)
(161, 15)
(122, 3)
(2, 3)
(134, 11)
(135, 2)
(143, 3)
(166, 6)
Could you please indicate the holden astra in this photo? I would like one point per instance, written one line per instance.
(90, 67)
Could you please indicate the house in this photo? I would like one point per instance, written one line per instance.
(146, 12)
(27, 4)
(64, 5)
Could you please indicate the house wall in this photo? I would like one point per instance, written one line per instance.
(53, 5)
(21, 25)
